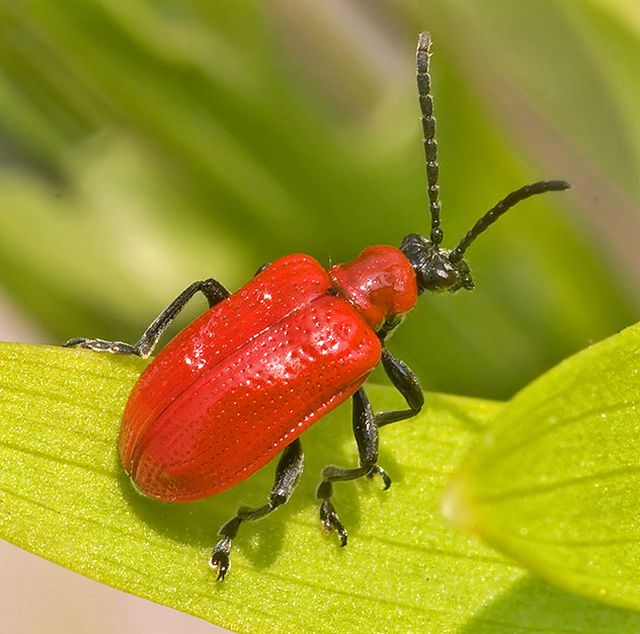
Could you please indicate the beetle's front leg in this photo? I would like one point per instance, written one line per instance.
(288, 474)
(211, 289)
(407, 383)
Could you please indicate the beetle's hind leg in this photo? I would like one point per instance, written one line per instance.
(365, 431)
(211, 289)
(288, 474)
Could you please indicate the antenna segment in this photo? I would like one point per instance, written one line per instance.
(429, 134)
(501, 208)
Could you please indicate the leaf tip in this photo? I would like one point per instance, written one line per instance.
(456, 505)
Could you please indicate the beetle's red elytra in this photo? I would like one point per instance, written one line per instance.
(243, 381)
(252, 373)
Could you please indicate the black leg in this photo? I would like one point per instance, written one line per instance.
(288, 474)
(211, 289)
(408, 385)
(365, 431)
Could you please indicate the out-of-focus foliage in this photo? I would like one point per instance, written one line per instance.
(146, 144)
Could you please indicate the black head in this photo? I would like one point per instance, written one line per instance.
(434, 269)
(439, 269)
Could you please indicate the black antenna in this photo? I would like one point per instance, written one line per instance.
(501, 208)
(429, 132)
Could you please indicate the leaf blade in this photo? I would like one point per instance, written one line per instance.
(555, 481)
(64, 496)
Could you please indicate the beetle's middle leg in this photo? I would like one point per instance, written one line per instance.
(288, 474)
(211, 289)
(365, 431)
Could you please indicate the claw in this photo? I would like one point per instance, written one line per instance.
(331, 521)
(101, 345)
(220, 558)
(76, 342)
(382, 473)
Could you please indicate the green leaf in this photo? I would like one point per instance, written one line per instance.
(556, 482)
(64, 496)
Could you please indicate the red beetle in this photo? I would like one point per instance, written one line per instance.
(244, 380)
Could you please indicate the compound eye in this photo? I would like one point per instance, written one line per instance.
(467, 283)
(444, 279)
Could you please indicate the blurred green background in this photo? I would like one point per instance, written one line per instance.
(148, 144)
(145, 144)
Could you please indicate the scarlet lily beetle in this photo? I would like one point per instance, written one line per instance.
(245, 379)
